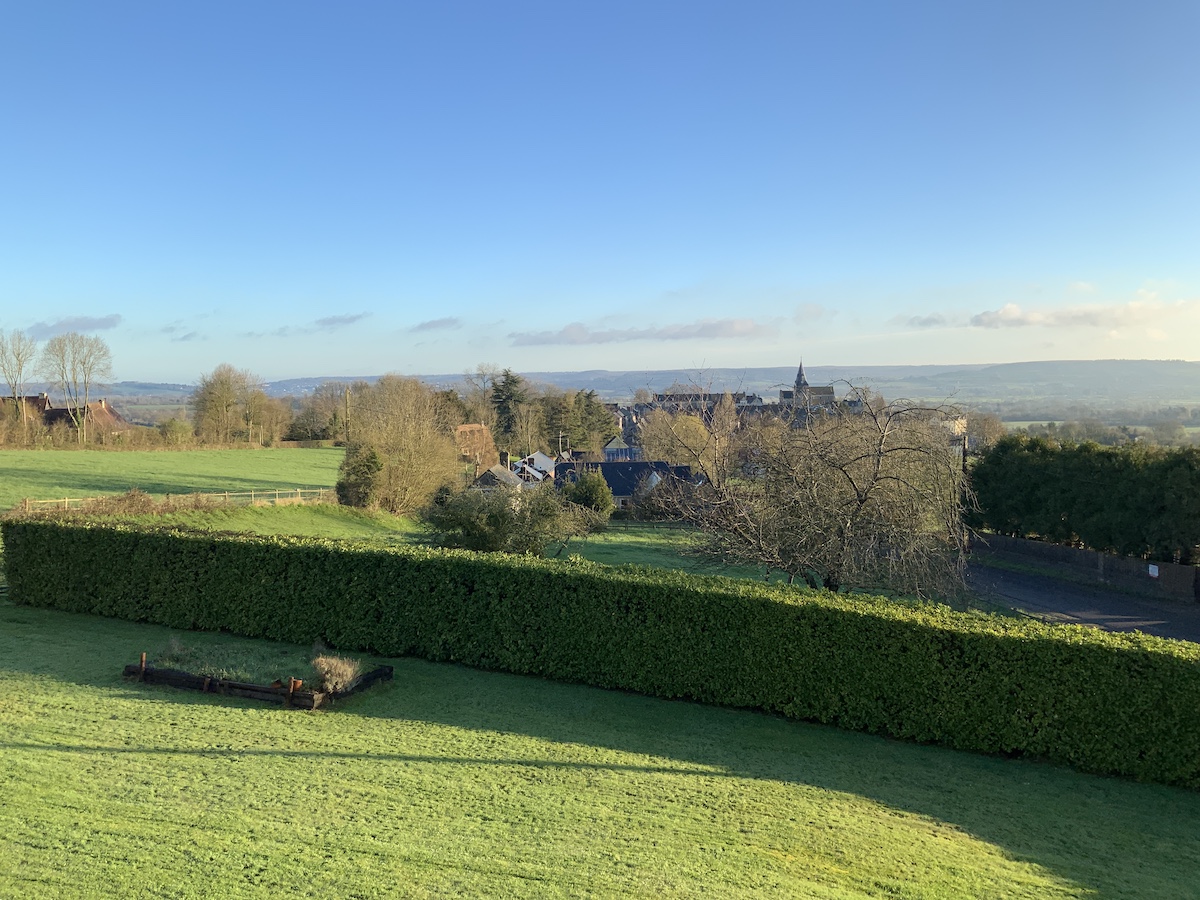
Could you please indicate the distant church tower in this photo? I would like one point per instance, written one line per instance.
(801, 381)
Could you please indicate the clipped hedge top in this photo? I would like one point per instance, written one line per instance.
(933, 616)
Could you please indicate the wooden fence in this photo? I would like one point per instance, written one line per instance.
(270, 496)
(1160, 580)
(289, 694)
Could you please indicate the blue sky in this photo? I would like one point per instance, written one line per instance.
(304, 188)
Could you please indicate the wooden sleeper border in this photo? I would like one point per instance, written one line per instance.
(290, 694)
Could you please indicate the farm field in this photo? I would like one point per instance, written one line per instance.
(450, 781)
(52, 474)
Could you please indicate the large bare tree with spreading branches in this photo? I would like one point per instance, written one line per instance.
(868, 495)
(221, 404)
(76, 363)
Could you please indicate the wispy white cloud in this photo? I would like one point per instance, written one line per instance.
(438, 324)
(705, 329)
(326, 324)
(331, 322)
(183, 334)
(1147, 314)
(933, 320)
(808, 313)
(1146, 310)
(42, 330)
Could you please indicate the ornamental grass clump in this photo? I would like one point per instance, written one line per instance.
(336, 673)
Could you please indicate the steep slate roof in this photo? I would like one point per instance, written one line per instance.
(100, 416)
(34, 403)
(539, 461)
(497, 475)
(624, 479)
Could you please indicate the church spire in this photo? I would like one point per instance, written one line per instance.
(801, 381)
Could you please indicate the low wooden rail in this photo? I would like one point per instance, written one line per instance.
(266, 495)
(289, 694)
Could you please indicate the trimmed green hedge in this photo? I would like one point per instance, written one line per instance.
(1133, 500)
(1110, 703)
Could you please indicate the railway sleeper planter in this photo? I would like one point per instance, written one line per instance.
(289, 693)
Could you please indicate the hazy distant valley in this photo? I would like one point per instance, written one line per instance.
(1017, 391)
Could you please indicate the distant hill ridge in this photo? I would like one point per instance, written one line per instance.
(1108, 382)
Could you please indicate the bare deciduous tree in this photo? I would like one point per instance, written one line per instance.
(402, 420)
(17, 353)
(863, 498)
(75, 363)
(528, 428)
(476, 394)
(984, 429)
(682, 439)
(216, 403)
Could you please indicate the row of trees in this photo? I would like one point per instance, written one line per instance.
(524, 417)
(73, 363)
(231, 405)
(1133, 499)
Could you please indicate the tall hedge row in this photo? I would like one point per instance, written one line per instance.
(1134, 499)
(1108, 703)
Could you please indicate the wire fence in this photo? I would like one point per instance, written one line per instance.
(641, 524)
(269, 496)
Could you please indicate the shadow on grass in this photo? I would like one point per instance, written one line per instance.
(104, 485)
(218, 752)
(1096, 832)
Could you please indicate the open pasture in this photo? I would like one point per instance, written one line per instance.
(451, 781)
(53, 474)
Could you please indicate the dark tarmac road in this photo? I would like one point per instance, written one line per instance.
(1066, 601)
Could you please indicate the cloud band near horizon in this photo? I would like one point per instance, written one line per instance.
(83, 324)
(577, 333)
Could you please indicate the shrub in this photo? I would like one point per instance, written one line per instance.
(358, 481)
(590, 491)
(508, 520)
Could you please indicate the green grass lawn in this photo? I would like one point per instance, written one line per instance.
(52, 474)
(450, 781)
(305, 520)
(661, 546)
